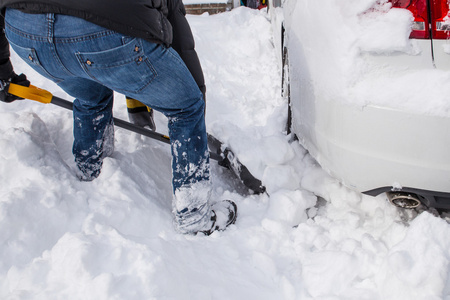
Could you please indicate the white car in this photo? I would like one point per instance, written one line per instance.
(369, 92)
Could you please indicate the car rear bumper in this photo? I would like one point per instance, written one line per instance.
(441, 53)
(374, 147)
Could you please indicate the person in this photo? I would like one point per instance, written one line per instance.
(256, 4)
(250, 3)
(262, 4)
(91, 48)
(183, 43)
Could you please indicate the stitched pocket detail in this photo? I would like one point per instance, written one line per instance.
(31, 57)
(124, 69)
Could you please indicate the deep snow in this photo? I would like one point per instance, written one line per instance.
(113, 238)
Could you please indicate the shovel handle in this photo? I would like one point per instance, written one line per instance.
(31, 92)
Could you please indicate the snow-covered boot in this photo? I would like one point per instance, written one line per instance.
(223, 214)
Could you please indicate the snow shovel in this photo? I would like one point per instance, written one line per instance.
(223, 155)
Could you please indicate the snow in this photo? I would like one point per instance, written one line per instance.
(113, 238)
(364, 46)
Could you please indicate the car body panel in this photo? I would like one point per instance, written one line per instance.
(365, 154)
(441, 52)
(368, 147)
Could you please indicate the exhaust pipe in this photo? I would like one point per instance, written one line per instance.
(404, 199)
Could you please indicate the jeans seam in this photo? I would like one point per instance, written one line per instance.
(177, 57)
(60, 63)
(25, 35)
(35, 37)
(84, 37)
(50, 27)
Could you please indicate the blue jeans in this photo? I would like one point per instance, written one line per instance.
(89, 62)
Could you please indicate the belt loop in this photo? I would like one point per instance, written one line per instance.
(50, 28)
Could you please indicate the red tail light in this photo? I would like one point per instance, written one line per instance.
(441, 23)
(419, 10)
(438, 10)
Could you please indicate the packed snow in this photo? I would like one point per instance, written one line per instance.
(309, 237)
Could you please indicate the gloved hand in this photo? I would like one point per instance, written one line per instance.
(4, 87)
(140, 114)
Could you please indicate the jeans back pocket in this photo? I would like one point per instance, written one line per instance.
(31, 57)
(125, 69)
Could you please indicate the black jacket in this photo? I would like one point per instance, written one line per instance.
(183, 42)
(139, 18)
(160, 21)
(6, 68)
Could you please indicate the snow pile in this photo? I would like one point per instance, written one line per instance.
(244, 106)
(113, 238)
(360, 49)
(385, 30)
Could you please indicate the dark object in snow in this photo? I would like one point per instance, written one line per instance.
(224, 213)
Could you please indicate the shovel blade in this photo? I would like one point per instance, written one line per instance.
(231, 162)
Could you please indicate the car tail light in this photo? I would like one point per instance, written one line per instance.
(423, 10)
(418, 8)
(441, 22)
